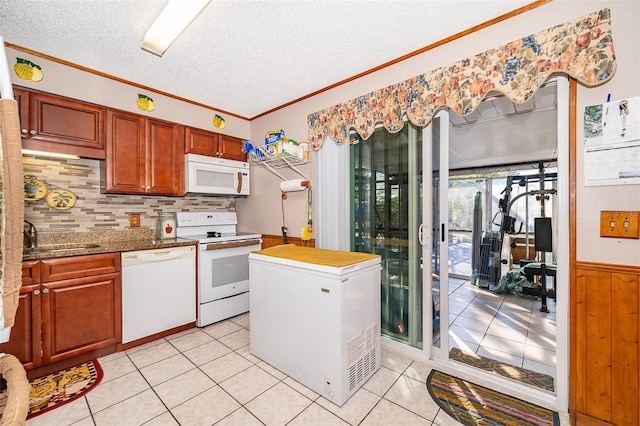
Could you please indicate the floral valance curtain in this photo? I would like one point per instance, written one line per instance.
(582, 49)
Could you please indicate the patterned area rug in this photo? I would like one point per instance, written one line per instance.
(56, 389)
(540, 380)
(473, 405)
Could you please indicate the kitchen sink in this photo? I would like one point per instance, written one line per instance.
(59, 248)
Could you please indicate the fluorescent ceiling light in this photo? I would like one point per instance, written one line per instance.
(171, 22)
(50, 154)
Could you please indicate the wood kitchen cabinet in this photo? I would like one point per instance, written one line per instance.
(68, 307)
(213, 144)
(55, 124)
(25, 333)
(143, 155)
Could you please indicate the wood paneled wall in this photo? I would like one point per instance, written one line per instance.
(275, 240)
(606, 355)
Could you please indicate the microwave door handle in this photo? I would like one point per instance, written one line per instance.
(239, 189)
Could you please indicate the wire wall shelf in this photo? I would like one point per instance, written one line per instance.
(267, 157)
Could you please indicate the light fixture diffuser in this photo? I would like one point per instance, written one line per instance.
(171, 22)
(50, 154)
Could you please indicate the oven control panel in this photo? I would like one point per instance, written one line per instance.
(185, 219)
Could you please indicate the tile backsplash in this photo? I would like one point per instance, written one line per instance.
(95, 211)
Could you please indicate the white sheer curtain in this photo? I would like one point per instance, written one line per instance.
(332, 190)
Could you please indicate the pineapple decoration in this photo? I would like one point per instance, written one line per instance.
(27, 70)
(145, 103)
(218, 122)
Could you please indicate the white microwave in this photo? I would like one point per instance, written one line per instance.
(215, 176)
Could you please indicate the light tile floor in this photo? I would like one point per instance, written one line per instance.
(208, 376)
(505, 328)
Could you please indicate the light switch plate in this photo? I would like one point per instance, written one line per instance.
(619, 224)
(134, 220)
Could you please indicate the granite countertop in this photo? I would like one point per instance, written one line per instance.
(67, 244)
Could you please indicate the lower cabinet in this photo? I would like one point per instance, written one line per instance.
(25, 333)
(68, 307)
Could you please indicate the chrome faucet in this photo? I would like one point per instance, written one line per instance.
(30, 236)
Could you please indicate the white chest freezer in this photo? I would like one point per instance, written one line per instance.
(315, 316)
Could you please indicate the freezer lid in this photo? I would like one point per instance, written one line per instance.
(316, 256)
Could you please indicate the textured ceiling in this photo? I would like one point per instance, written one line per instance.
(243, 57)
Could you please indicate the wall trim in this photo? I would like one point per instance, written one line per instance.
(270, 240)
(608, 267)
(461, 34)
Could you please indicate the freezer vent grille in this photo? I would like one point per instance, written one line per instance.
(372, 360)
(365, 366)
(362, 369)
(352, 377)
(359, 371)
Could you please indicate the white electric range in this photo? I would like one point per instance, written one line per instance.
(223, 263)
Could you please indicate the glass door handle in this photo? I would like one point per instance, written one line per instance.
(442, 232)
(421, 234)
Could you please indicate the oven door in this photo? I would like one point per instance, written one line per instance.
(223, 269)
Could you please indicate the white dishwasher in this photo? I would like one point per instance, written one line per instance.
(158, 290)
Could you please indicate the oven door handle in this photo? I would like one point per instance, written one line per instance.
(230, 244)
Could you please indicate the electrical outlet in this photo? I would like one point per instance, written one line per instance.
(134, 220)
(306, 233)
(619, 224)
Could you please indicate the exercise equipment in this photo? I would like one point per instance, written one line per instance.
(486, 253)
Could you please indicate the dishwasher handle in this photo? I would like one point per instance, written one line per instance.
(158, 255)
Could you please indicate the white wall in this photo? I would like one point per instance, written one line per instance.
(261, 211)
(78, 84)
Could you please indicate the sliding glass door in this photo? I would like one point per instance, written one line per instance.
(386, 182)
(436, 180)
(405, 207)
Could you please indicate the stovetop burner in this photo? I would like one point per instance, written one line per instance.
(214, 234)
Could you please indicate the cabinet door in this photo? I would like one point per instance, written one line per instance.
(80, 315)
(124, 164)
(65, 126)
(25, 333)
(24, 342)
(164, 158)
(231, 148)
(66, 268)
(201, 142)
(22, 98)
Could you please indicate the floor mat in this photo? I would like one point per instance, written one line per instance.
(540, 380)
(473, 405)
(56, 389)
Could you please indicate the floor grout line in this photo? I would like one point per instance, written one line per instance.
(386, 392)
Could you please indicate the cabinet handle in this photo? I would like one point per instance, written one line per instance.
(23, 130)
(33, 132)
(36, 292)
(45, 290)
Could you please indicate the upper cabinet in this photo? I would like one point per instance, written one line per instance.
(212, 144)
(54, 124)
(144, 155)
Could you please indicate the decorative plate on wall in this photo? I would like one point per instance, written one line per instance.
(61, 199)
(34, 189)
